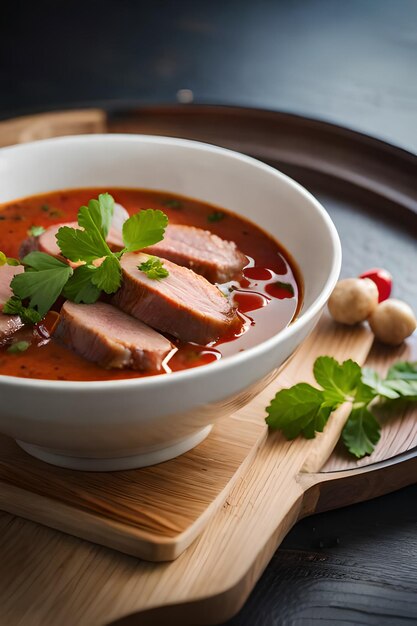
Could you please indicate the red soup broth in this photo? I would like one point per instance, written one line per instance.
(268, 295)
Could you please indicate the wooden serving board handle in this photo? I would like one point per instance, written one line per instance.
(319, 492)
(332, 490)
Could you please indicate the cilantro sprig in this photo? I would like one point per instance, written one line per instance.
(304, 409)
(154, 268)
(46, 278)
(36, 231)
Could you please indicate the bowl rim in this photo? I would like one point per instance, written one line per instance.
(230, 361)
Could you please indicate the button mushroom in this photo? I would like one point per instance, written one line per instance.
(353, 300)
(392, 322)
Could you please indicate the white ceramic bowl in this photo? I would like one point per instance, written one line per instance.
(124, 424)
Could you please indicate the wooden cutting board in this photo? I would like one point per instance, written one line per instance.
(156, 512)
(69, 581)
(153, 513)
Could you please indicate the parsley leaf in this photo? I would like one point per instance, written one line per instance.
(172, 203)
(144, 229)
(36, 231)
(80, 287)
(304, 409)
(108, 276)
(216, 216)
(42, 282)
(402, 378)
(14, 306)
(46, 277)
(406, 389)
(337, 380)
(401, 381)
(364, 394)
(98, 215)
(361, 432)
(18, 346)
(82, 245)
(300, 409)
(153, 268)
(374, 380)
(403, 370)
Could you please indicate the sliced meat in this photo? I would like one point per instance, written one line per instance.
(9, 324)
(183, 304)
(7, 273)
(47, 241)
(101, 333)
(120, 215)
(207, 254)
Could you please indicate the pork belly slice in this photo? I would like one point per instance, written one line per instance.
(200, 250)
(183, 304)
(101, 333)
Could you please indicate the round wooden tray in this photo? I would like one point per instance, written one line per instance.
(367, 186)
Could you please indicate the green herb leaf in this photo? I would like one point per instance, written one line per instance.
(154, 268)
(108, 276)
(361, 432)
(287, 288)
(18, 347)
(404, 388)
(6, 260)
(36, 231)
(80, 287)
(339, 381)
(373, 380)
(14, 306)
(42, 282)
(403, 370)
(364, 394)
(82, 245)
(45, 277)
(14, 262)
(144, 229)
(401, 381)
(300, 409)
(98, 215)
(172, 203)
(305, 409)
(216, 216)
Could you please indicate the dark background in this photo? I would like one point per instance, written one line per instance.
(353, 63)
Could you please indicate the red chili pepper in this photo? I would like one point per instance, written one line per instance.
(382, 279)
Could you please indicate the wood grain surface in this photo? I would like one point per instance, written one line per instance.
(212, 579)
(153, 513)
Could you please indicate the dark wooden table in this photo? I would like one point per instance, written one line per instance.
(353, 63)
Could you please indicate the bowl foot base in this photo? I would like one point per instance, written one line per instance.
(133, 461)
